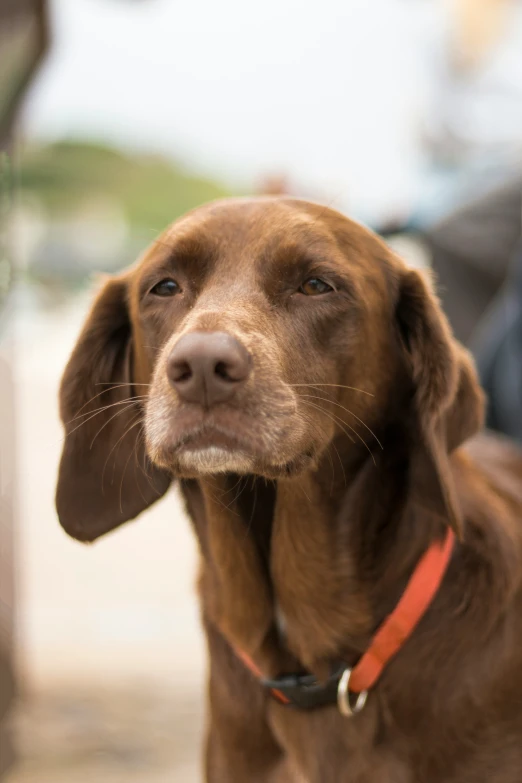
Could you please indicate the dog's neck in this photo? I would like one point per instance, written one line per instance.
(330, 550)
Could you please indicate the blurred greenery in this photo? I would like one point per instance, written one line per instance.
(151, 190)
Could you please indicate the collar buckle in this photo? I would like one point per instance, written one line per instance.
(304, 691)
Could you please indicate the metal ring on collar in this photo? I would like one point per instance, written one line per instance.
(343, 696)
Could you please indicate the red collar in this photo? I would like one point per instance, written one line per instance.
(388, 640)
(400, 624)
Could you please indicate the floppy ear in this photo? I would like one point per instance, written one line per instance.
(448, 401)
(105, 477)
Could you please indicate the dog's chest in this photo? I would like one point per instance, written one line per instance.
(323, 747)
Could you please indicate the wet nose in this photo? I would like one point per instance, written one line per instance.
(208, 367)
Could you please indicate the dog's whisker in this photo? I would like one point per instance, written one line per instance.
(112, 386)
(340, 461)
(351, 413)
(304, 493)
(329, 415)
(311, 424)
(136, 464)
(335, 385)
(216, 499)
(241, 490)
(332, 470)
(118, 413)
(125, 467)
(141, 440)
(327, 451)
(118, 385)
(102, 408)
(97, 413)
(135, 422)
(340, 422)
(231, 489)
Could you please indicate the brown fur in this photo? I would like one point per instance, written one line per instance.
(347, 465)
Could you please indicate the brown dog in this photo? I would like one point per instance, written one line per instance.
(305, 388)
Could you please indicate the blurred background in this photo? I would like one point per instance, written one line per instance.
(116, 117)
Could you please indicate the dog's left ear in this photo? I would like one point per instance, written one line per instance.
(448, 400)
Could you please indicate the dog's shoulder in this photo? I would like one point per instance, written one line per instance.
(488, 478)
(497, 461)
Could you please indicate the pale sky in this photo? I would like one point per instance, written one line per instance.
(327, 92)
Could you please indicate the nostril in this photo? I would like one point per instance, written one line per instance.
(222, 370)
(181, 371)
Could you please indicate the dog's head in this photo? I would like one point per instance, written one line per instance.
(249, 337)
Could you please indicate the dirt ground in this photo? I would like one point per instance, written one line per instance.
(110, 653)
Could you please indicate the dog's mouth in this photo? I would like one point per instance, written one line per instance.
(197, 444)
(210, 449)
(208, 436)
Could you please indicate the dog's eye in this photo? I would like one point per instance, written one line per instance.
(314, 286)
(166, 287)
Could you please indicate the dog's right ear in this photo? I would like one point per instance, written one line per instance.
(105, 476)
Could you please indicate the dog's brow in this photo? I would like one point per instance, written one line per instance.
(289, 254)
(191, 255)
(186, 248)
(292, 260)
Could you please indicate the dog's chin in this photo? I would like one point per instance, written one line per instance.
(213, 459)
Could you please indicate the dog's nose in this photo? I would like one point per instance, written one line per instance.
(208, 367)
